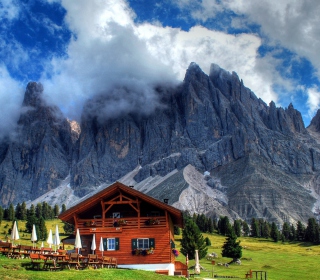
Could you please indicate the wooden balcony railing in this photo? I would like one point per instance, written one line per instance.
(144, 222)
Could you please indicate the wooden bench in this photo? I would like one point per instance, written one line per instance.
(36, 261)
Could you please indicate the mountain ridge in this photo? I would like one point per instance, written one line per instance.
(209, 123)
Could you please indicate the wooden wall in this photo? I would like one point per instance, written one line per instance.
(162, 252)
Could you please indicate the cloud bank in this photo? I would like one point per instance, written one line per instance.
(110, 50)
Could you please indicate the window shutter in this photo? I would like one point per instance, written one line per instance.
(134, 244)
(152, 243)
(117, 246)
(105, 246)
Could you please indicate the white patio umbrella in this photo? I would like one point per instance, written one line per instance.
(42, 245)
(77, 243)
(50, 240)
(56, 240)
(93, 244)
(197, 264)
(101, 248)
(34, 235)
(14, 232)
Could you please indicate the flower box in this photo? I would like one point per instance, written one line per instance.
(142, 252)
(152, 221)
(119, 223)
(90, 224)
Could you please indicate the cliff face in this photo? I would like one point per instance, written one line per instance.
(40, 155)
(261, 160)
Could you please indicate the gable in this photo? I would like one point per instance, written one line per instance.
(119, 197)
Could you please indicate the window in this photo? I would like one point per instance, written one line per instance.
(143, 243)
(111, 244)
(116, 215)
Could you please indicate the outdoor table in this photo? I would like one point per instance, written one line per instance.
(51, 261)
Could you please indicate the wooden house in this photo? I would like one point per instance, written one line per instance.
(135, 228)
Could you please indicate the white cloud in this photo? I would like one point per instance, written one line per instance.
(203, 46)
(11, 96)
(313, 100)
(104, 56)
(109, 50)
(9, 9)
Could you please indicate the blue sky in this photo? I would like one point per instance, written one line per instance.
(78, 49)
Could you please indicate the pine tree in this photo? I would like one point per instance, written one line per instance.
(56, 210)
(224, 226)
(231, 248)
(23, 213)
(63, 208)
(300, 231)
(265, 230)
(192, 240)
(255, 232)
(237, 227)
(11, 213)
(312, 231)
(68, 228)
(274, 232)
(43, 234)
(39, 211)
(18, 211)
(1, 214)
(245, 228)
(210, 226)
(286, 231)
(293, 233)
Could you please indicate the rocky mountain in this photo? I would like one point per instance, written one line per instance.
(212, 147)
(38, 158)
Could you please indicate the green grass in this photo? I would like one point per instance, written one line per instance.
(14, 269)
(288, 261)
(281, 261)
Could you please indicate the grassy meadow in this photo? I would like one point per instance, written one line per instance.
(282, 261)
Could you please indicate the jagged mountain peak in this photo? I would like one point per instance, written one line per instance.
(33, 95)
(210, 122)
(315, 122)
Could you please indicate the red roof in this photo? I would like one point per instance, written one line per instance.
(67, 216)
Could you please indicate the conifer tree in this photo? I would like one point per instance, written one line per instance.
(255, 232)
(23, 211)
(56, 210)
(11, 212)
(231, 248)
(43, 234)
(265, 230)
(237, 227)
(300, 231)
(274, 232)
(312, 231)
(192, 240)
(1, 214)
(286, 231)
(293, 233)
(224, 226)
(63, 208)
(245, 228)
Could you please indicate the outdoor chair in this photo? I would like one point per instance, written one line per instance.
(93, 260)
(105, 261)
(74, 260)
(114, 263)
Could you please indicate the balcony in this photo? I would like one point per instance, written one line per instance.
(109, 225)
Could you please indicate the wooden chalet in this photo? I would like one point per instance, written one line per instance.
(135, 228)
